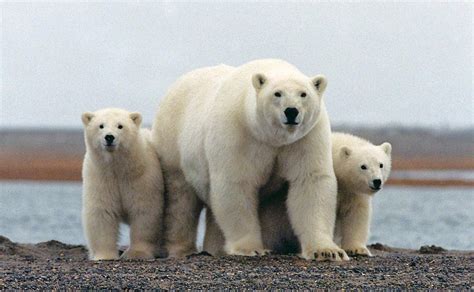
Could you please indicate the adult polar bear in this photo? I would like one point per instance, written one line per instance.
(222, 131)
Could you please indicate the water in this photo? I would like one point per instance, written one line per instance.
(450, 174)
(403, 216)
(414, 216)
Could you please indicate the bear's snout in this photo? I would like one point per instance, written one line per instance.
(109, 139)
(291, 113)
(376, 183)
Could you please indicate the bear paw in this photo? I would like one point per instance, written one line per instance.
(179, 251)
(325, 254)
(249, 252)
(133, 254)
(358, 251)
(246, 246)
(105, 256)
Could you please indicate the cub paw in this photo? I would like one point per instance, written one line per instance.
(358, 251)
(133, 254)
(334, 254)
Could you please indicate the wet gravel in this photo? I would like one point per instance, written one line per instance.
(55, 265)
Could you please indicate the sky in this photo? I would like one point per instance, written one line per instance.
(407, 64)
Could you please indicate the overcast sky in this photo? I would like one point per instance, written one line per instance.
(409, 64)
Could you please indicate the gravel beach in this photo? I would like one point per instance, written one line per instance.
(55, 265)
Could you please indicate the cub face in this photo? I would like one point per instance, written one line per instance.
(364, 169)
(111, 129)
(291, 105)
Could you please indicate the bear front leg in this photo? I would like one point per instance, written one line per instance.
(235, 207)
(101, 230)
(311, 208)
(182, 209)
(355, 224)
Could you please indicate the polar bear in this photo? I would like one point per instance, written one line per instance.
(221, 131)
(122, 182)
(361, 169)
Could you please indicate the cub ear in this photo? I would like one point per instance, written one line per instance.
(319, 82)
(86, 118)
(136, 118)
(258, 80)
(387, 148)
(345, 152)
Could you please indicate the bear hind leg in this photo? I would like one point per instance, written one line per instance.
(214, 239)
(182, 210)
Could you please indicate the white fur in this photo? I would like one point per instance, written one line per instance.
(121, 183)
(356, 187)
(220, 132)
(354, 200)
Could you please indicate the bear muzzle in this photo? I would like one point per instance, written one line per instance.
(291, 114)
(110, 142)
(376, 185)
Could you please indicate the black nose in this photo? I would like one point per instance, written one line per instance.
(377, 183)
(109, 139)
(291, 113)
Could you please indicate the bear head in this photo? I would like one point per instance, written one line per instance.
(288, 105)
(111, 129)
(363, 169)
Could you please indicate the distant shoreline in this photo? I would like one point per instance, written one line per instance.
(56, 154)
(48, 167)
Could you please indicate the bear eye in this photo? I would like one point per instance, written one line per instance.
(120, 127)
(363, 166)
(303, 94)
(277, 94)
(101, 126)
(381, 165)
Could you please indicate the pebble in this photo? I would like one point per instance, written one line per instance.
(397, 269)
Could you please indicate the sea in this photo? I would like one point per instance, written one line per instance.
(404, 217)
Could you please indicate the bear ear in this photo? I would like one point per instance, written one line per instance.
(387, 148)
(345, 152)
(136, 118)
(319, 82)
(86, 118)
(258, 80)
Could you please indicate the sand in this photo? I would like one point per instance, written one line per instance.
(55, 265)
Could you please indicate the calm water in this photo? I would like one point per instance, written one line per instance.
(455, 174)
(403, 216)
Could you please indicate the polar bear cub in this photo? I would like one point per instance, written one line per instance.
(361, 169)
(221, 132)
(122, 182)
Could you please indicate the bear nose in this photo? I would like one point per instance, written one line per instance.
(291, 113)
(109, 138)
(377, 183)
